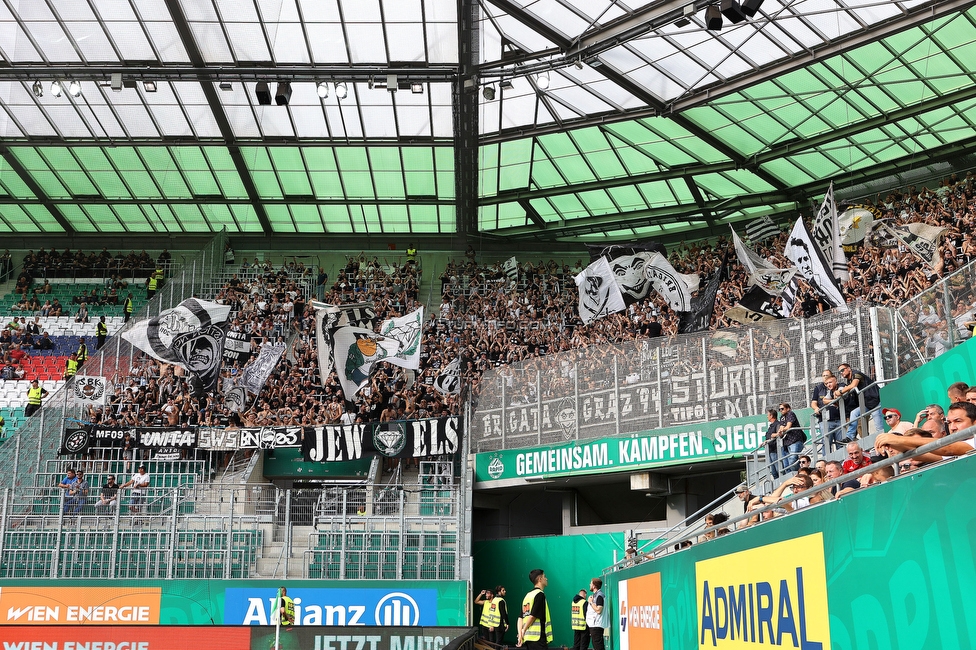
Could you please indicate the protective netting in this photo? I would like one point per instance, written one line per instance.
(610, 390)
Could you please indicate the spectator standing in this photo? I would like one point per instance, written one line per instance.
(68, 484)
(78, 495)
(792, 435)
(596, 617)
(140, 485)
(772, 435)
(825, 405)
(859, 383)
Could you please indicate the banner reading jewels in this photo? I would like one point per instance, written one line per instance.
(703, 442)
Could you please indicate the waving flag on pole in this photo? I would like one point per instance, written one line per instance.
(510, 267)
(408, 330)
(157, 336)
(813, 267)
(356, 350)
(449, 379)
(699, 316)
(256, 373)
(826, 232)
(761, 272)
(599, 294)
(760, 229)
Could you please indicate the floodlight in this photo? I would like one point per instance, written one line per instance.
(488, 92)
(38, 89)
(322, 88)
(74, 88)
(417, 88)
(56, 88)
(149, 86)
(341, 90)
(542, 81)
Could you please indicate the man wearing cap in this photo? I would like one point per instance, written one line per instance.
(34, 396)
(139, 484)
(895, 423)
(109, 497)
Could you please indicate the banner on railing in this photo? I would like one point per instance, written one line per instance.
(162, 440)
(612, 390)
(237, 347)
(397, 439)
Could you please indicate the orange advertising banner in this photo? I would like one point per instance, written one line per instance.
(72, 637)
(641, 624)
(79, 606)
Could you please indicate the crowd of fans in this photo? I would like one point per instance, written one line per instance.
(484, 318)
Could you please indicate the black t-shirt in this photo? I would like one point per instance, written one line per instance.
(795, 434)
(872, 396)
(821, 396)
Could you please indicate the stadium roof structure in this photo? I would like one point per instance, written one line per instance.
(529, 122)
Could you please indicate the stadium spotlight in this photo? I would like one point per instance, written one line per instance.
(713, 18)
(56, 88)
(542, 81)
(38, 89)
(226, 86)
(74, 88)
(417, 88)
(322, 88)
(283, 93)
(488, 92)
(579, 64)
(149, 86)
(505, 84)
(341, 90)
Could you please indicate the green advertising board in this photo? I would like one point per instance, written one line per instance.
(889, 566)
(927, 385)
(661, 447)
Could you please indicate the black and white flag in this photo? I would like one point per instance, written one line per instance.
(762, 228)
(449, 379)
(761, 271)
(599, 294)
(256, 373)
(811, 266)
(698, 318)
(755, 306)
(855, 224)
(922, 239)
(510, 268)
(357, 314)
(826, 232)
(90, 390)
(156, 335)
(408, 330)
(202, 353)
(639, 268)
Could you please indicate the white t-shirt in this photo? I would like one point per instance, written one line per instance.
(139, 482)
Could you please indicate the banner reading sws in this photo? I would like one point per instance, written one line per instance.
(669, 446)
(79, 606)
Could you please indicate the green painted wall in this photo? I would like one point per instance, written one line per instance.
(890, 566)
(927, 385)
(569, 562)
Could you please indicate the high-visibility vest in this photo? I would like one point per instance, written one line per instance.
(534, 631)
(101, 329)
(411, 254)
(289, 605)
(34, 395)
(70, 370)
(82, 353)
(578, 617)
(490, 616)
(153, 280)
(128, 305)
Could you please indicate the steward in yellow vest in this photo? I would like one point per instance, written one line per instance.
(581, 638)
(535, 623)
(34, 396)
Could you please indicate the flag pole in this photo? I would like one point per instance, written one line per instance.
(277, 610)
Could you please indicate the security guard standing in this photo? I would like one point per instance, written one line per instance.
(82, 353)
(502, 627)
(535, 624)
(489, 612)
(70, 367)
(34, 396)
(286, 608)
(581, 638)
(411, 254)
(101, 330)
(153, 284)
(127, 309)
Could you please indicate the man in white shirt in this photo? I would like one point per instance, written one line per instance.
(140, 485)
